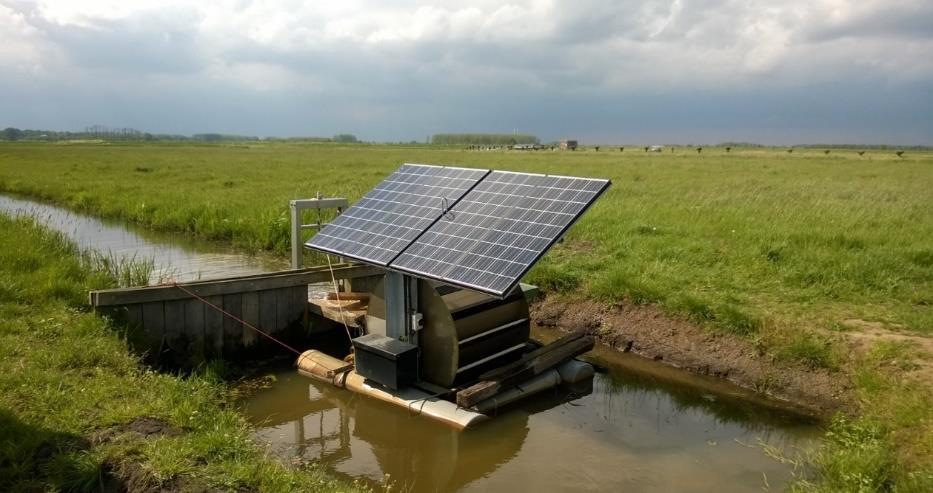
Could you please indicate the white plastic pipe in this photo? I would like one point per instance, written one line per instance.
(320, 366)
(325, 368)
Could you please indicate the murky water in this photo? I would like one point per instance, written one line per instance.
(640, 426)
(175, 255)
(643, 427)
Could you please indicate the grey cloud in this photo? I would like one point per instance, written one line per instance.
(146, 42)
(904, 20)
(601, 71)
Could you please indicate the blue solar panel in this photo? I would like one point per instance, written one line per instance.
(499, 229)
(388, 218)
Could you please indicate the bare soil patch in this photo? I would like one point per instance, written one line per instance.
(864, 335)
(129, 475)
(142, 427)
(646, 331)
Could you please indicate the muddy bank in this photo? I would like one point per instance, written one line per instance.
(648, 332)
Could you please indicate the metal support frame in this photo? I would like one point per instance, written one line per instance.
(296, 207)
(401, 298)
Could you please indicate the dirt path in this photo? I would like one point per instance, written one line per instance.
(648, 332)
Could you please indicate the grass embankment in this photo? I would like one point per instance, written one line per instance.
(79, 412)
(889, 446)
(794, 251)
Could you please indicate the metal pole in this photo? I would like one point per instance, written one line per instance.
(296, 234)
(396, 309)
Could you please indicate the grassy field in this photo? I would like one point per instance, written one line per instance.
(740, 239)
(792, 250)
(79, 412)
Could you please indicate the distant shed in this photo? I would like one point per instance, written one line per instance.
(568, 144)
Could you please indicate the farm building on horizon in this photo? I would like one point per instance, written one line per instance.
(526, 147)
(568, 144)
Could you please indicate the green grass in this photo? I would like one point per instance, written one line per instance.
(66, 376)
(889, 446)
(733, 239)
(776, 247)
(125, 272)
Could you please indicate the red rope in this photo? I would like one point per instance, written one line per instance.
(238, 319)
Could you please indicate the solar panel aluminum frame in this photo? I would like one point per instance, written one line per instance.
(505, 292)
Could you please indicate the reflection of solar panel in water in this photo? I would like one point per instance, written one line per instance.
(393, 214)
(493, 235)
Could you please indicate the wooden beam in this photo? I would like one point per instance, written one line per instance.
(531, 364)
(231, 285)
(350, 312)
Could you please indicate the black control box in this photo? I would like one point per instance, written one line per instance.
(386, 361)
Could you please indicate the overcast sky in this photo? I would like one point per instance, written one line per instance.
(704, 71)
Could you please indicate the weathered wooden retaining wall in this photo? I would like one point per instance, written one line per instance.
(172, 327)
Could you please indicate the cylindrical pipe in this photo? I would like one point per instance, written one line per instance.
(574, 371)
(569, 372)
(544, 381)
(320, 366)
(325, 368)
(417, 402)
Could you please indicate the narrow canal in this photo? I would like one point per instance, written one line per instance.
(640, 426)
(175, 255)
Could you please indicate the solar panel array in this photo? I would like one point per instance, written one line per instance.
(498, 230)
(388, 218)
(472, 228)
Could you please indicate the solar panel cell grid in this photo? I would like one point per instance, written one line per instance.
(387, 219)
(493, 235)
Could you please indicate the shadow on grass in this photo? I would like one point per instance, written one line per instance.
(34, 458)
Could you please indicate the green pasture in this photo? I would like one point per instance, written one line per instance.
(782, 248)
(739, 240)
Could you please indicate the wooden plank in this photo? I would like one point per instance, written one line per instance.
(300, 299)
(134, 315)
(286, 307)
(223, 286)
(154, 326)
(531, 364)
(350, 312)
(136, 334)
(250, 314)
(530, 356)
(175, 327)
(267, 311)
(233, 329)
(363, 298)
(232, 285)
(213, 329)
(283, 308)
(194, 329)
